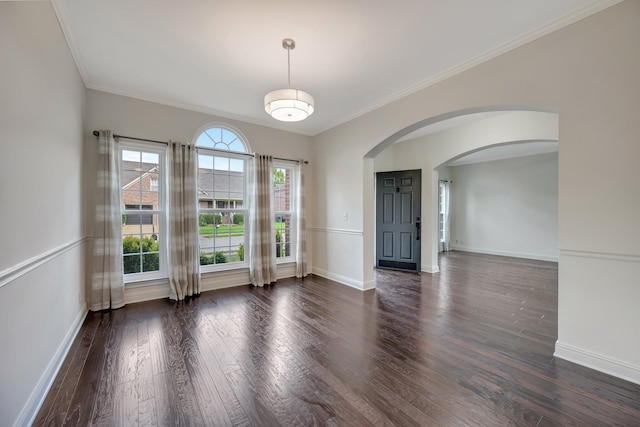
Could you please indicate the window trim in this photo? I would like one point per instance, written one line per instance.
(237, 155)
(161, 151)
(285, 164)
(228, 127)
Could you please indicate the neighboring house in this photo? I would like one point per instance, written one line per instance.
(139, 179)
(281, 197)
(225, 192)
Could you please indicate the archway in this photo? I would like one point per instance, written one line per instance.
(427, 151)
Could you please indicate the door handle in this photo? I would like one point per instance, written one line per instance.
(417, 228)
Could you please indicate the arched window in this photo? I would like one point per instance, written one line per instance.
(220, 138)
(222, 202)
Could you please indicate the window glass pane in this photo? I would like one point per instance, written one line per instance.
(283, 235)
(151, 262)
(236, 165)
(205, 162)
(141, 181)
(221, 163)
(130, 156)
(236, 199)
(221, 195)
(215, 134)
(228, 136)
(129, 218)
(140, 253)
(150, 158)
(236, 183)
(237, 145)
(205, 184)
(139, 177)
(283, 205)
(132, 263)
(204, 141)
(222, 237)
(221, 139)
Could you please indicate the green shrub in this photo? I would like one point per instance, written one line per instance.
(217, 219)
(218, 258)
(149, 254)
(241, 252)
(279, 245)
(238, 219)
(206, 219)
(221, 258)
(206, 259)
(131, 245)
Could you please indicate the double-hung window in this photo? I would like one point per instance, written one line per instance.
(222, 201)
(285, 210)
(142, 184)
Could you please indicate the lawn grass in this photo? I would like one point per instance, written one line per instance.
(225, 230)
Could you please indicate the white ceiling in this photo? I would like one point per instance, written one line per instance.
(222, 57)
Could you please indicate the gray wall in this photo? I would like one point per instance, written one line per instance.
(44, 228)
(507, 207)
(41, 204)
(588, 73)
(137, 118)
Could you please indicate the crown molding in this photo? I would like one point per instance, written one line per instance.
(64, 19)
(555, 25)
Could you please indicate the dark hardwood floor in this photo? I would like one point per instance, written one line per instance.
(470, 346)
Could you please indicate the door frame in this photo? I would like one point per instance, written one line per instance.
(416, 220)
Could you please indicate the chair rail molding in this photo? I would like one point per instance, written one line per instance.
(12, 273)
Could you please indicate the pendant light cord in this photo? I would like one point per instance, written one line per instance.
(289, 66)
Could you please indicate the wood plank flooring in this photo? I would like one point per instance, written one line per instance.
(470, 346)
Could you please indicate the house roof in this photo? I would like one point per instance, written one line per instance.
(212, 184)
(220, 185)
(132, 172)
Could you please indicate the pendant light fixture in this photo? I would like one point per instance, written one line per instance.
(288, 105)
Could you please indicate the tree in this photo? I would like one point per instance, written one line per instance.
(279, 176)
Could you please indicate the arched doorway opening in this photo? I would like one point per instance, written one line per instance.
(433, 142)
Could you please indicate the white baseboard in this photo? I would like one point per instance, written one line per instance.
(430, 268)
(371, 284)
(598, 362)
(39, 393)
(540, 257)
(356, 284)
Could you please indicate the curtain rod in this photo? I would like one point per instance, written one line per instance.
(96, 133)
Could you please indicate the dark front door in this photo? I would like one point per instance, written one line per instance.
(398, 220)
